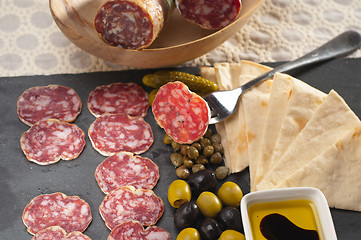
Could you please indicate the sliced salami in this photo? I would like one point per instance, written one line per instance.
(112, 133)
(127, 203)
(68, 212)
(125, 169)
(135, 230)
(183, 115)
(53, 101)
(50, 140)
(131, 24)
(125, 98)
(209, 14)
(58, 233)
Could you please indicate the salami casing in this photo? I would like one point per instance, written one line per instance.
(209, 14)
(131, 24)
(183, 115)
(125, 98)
(112, 133)
(135, 230)
(125, 169)
(53, 101)
(68, 212)
(58, 233)
(50, 140)
(127, 203)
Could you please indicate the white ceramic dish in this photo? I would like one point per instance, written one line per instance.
(287, 194)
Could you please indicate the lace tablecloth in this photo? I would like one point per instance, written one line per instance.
(281, 30)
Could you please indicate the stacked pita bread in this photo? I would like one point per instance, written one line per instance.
(290, 134)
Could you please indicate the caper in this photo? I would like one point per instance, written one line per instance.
(198, 167)
(216, 138)
(208, 150)
(167, 139)
(201, 160)
(208, 133)
(187, 162)
(197, 145)
(218, 147)
(182, 172)
(193, 152)
(222, 172)
(216, 158)
(176, 159)
(176, 146)
(184, 149)
(205, 142)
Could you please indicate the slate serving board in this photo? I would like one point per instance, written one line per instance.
(21, 180)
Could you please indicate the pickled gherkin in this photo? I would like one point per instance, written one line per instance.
(195, 83)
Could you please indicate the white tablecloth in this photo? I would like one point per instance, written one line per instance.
(281, 30)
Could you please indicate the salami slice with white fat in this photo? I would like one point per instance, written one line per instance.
(68, 212)
(53, 101)
(125, 98)
(183, 115)
(131, 24)
(209, 14)
(126, 169)
(50, 140)
(112, 133)
(135, 230)
(127, 203)
(58, 233)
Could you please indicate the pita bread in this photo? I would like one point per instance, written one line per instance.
(292, 104)
(329, 122)
(336, 172)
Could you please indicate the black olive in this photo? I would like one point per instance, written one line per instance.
(209, 229)
(204, 180)
(230, 218)
(187, 215)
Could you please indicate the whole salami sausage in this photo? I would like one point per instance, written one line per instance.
(127, 203)
(58, 233)
(183, 115)
(125, 169)
(131, 24)
(209, 14)
(68, 212)
(126, 98)
(135, 230)
(53, 101)
(50, 140)
(112, 133)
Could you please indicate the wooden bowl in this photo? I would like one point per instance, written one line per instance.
(178, 42)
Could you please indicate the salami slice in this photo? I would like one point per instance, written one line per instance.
(127, 203)
(112, 133)
(183, 115)
(125, 98)
(131, 24)
(209, 14)
(58, 233)
(53, 101)
(50, 140)
(135, 230)
(69, 212)
(125, 169)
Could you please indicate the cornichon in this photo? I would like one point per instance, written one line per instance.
(195, 83)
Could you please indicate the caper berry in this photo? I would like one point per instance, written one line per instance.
(197, 145)
(208, 151)
(167, 139)
(205, 142)
(193, 152)
(216, 158)
(176, 159)
(184, 149)
(176, 146)
(201, 160)
(198, 167)
(187, 162)
(222, 172)
(208, 133)
(218, 147)
(182, 172)
(216, 138)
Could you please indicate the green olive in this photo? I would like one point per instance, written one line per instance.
(197, 145)
(208, 133)
(167, 139)
(189, 234)
(184, 149)
(182, 172)
(209, 204)
(176, 159)
(208, 150)
(231, 235)
(216, 158)
(198, 167)
(179, 192)
(218, 147)
(230, 194)
(176, 146)
(187, 162)
(201, 160)
(205, 142)
(193, 152)
(216, 138)
(222, 172)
